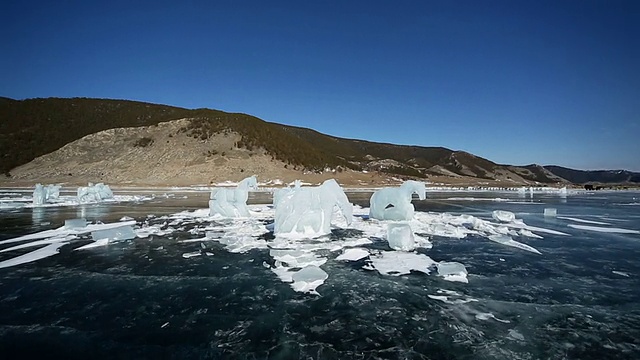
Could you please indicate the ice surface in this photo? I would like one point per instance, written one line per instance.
(452, 271)
(307, 211)
(503, 216)
(94, 193)
(232, 203)
(604, 229)
(400, 237)
(395, 203)
(308, 279)
(550, 212)
(507, 240)
(41, 253)
(114, 234)
(61, 231)
(398, 263)
(75, 223)
(353, 254)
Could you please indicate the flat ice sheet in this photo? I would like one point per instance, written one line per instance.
(41, 253)
(604, 229)
(582, 220)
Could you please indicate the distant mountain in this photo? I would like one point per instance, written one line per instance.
(34, 127)
(594, 176)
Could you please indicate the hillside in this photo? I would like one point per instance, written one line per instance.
(30, 129)
(595, 176)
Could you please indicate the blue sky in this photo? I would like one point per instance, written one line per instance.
(517, 82)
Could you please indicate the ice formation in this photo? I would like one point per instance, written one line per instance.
(503, 216)
(232, 202)
(400, 237)
(550, 212)
(452, 271)
(45, 194)
(307, 211)
(75, 223)
(94, 193)
(395, 203)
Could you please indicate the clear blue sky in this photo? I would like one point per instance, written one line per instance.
(515, 81)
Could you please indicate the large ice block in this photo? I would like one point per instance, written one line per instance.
(503, 216)
(307, 211)
(75, 223)
(232, 202)
(400, 237)
(94, 193)
(395, 203)
(44, 194)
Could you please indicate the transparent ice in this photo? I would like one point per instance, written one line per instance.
(395, 203)
(232, 202)
(44, 194)
(400, 237)
(503, 216)
(94, 193)
(307, 211)
(114, 234)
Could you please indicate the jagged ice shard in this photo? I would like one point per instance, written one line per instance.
(395, 203)
(94, 193)
(232, 202)
(307, 211)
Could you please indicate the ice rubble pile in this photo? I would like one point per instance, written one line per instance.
(94, 193)
(45, 194)
(232, 203)
(307, 211)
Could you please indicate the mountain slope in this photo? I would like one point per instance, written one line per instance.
(594, 176)
(35, 127)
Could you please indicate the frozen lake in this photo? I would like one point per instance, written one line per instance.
(192, 286)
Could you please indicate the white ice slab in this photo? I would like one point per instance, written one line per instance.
(604, 229)
(396, 263)
(41, 253)
(353, 254)
(582, 220)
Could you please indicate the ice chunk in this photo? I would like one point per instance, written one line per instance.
(307, 211)
(400, 237)
(232, 202)
(114, 234)
(94, 193)
(398, 263)
(308, 279)
(75, 223)
(44, 194)
(39, 195)
(550, 212)
(395, 203)
(507, 240)
(41, 253)
(353, 254)
(503, 216)
(452, 271)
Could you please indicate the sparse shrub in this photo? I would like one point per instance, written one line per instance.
(143, 142)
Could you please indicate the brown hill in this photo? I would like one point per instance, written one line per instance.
(32, 128)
